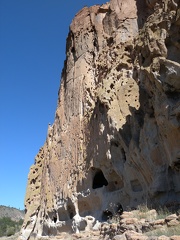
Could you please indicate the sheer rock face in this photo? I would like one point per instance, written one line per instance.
(115, 138)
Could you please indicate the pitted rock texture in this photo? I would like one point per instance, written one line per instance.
(115, 138)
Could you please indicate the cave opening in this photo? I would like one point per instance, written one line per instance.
(107, 215)
(71, 211)
(176, 165)
(99, 180)
(54, 219)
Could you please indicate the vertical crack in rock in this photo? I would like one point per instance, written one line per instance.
(115, 138)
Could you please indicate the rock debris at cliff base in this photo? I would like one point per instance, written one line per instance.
(115, 138)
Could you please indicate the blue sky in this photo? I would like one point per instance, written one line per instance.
(32, 52)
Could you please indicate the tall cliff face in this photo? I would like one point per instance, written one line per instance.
(115, 138)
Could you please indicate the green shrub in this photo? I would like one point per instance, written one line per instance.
(10, 231)
(9, 227)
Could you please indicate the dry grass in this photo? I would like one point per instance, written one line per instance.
(145, 212)
(167, 231)
(163, 213)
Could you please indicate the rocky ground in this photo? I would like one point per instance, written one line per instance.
(141, 224)
(14, 237)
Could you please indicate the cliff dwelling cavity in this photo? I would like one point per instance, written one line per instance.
(66, 213)
(99, 180)
(106, 215)
(84, 208)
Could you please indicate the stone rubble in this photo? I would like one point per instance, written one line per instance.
(130, 227)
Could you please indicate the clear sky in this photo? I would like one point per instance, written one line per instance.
(32, 52)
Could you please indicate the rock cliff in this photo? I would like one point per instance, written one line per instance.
(115, 138)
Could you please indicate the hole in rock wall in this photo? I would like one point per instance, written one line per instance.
(106, 215)
(54, 219)
(178, 117)
(136, 186)
(84, 208)
(65, 214)
(173, 95)
(102, 108)
(172, 42)
(113, 209)
(112, 86)
(119, 209)
(176, 165)
(52, 215)
(33, 181)
(114, 143)
(89, 205)
(72, 49)
(99, 180)
(71, 211)
(110, 41)
(115, 185)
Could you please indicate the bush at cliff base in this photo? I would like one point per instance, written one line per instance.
(8, 227)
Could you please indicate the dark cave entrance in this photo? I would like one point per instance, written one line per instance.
(99, 180)
(106, 215)
(54, 219)
(71, 211)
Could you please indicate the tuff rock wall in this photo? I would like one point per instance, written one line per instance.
(115, 138)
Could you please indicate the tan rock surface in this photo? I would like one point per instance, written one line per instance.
(130, 235)
(175, 237)
(115, 138)
(163, 238)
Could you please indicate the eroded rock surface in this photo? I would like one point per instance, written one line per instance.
(115, 138)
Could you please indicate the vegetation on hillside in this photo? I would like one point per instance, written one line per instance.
(9, 227)
(11, 212)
